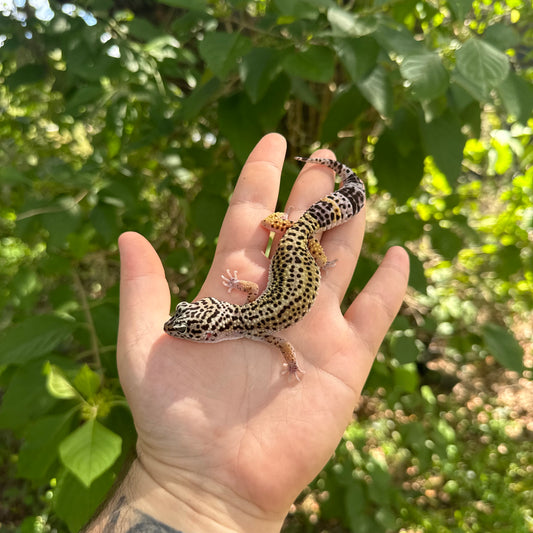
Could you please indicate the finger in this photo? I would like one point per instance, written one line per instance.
(374, 309)
(242, 239)
(144, 293)
(255, 196)
(313, 182)
(343, 245)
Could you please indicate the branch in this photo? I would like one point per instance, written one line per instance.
(53, 209)
(95, 350)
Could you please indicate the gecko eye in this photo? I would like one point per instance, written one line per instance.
(181, 307)
(172, 328)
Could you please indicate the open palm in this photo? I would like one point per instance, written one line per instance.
(221, 416)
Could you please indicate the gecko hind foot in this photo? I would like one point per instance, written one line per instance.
(292, 369)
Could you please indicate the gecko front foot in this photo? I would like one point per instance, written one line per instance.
(329, 264)
(231, 281)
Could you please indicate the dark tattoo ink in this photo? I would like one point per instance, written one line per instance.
(125, 519)
(143, 523)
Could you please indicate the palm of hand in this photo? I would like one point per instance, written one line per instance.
(222, 413)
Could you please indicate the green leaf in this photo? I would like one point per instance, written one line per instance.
(316, 63)
(258, 69)
(502, 35)
(403, 227)
(426, 73)
(404, 348)
(347, 105)
(60, 224)
(508, 261)
(482, 65)
(377, 89)
(517, 97)
(460, 8)
(208, 212)
(446, 242)
(33, 338)
(417, 276)
(88, 95)
(100, 5)
(104, 218)
(303, 92)
(444, 141)
(39, 449)
(271, 108)
(221, 51)
(193, 104)
(398, 172)
(58, 384)
(302, 9)
(87, 382)
(12, 176)
(379, 488)
(348, 24)
(105, 318)
(74, 503)
(80, 243)
(239, 124)
(143, 30)
(502, 344)
(364, 270)
(90, 450)
(26, 75)
(193, 5)
(25, 397)
(358, 55)
(354, 504)
(398, 41)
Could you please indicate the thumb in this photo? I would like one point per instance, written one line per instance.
(144, 293)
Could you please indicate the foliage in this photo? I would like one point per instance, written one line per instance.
(431, 466)
(139, 117)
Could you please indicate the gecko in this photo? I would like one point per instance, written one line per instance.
(293, 277)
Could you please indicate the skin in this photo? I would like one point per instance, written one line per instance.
(224, 442)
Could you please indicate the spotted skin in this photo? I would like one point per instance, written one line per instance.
(293, 280)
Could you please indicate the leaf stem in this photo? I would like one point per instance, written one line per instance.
(94, 350)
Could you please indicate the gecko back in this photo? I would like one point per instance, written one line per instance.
(294, 277)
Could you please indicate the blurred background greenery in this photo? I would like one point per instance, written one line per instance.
(138, 114)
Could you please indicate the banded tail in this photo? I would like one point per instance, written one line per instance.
(341, 205)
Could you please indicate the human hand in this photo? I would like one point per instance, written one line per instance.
(224, 441)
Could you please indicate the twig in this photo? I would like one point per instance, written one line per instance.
(52, 209)
(95, 350)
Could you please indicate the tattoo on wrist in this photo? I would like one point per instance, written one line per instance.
(126, 519)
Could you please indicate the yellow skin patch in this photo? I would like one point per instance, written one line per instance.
(279, 223)
(293, 281)
(336, 209)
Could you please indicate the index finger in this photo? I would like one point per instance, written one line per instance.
(242, 239)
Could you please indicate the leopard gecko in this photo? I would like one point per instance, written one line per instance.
(293, 279)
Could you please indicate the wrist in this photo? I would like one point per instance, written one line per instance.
(146, 500)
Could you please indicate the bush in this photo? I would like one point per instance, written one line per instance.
(139, 117)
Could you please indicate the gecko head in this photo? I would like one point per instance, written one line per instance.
(197, 321)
